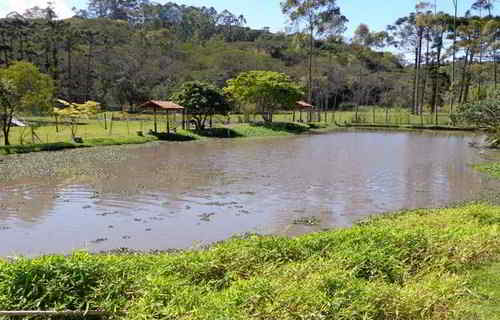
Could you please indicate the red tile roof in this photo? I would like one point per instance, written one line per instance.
(304, 104)
(167, 105)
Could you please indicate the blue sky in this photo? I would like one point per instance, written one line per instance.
(266, 13)
(375, 13)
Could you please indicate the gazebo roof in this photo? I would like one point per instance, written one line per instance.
(167, 105)
(304, 104)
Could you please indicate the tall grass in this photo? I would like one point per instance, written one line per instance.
(411, 265)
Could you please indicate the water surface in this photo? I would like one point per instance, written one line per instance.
(180, 195)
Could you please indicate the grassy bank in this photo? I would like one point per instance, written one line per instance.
(57, 146)
(120, 138)
(424, 264)
(411, 127)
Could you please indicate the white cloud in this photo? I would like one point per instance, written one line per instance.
(61, 7)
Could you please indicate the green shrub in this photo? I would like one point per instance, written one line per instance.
(484, 113)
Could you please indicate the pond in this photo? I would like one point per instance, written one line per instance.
(186, 195)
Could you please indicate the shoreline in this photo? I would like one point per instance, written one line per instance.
(240, 131)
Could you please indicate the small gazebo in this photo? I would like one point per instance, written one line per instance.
(164, 105)
(303, 106)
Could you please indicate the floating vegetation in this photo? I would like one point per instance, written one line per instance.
(104, 214)
(99, 240)
(250, 193)
(206, 216)
(220, 204)
(308, 221)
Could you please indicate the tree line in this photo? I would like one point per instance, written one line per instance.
(122, 53)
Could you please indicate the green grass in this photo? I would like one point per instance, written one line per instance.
(485, 288)
(26, 148)
(366, 114)
(57, 146)
(423, 264)
(492, 168)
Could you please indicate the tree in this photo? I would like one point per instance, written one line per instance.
(485, 113)
(74, 111)
(319, 17)
(363, 36)
(229, 21)
(407, 35)
(454, 59)
(23, 89)
(201, 100)
(8, 98)
(268, 90)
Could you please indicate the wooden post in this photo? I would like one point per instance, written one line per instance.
(111, 124)
(168, 122)
(156, 127)
(183, 119)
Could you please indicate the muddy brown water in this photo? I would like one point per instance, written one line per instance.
(184, 195)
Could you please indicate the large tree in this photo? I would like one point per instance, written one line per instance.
(318, 17)
(268, 90)
(23, 89)
(201, 100)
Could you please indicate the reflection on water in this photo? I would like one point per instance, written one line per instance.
(180, 195)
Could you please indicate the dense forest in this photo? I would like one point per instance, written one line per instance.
(122, 53)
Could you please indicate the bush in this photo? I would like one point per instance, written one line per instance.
(485, 113)
(494, 140)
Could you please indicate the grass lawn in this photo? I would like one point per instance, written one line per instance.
(121, 127)
(485, 286)
(50, 138)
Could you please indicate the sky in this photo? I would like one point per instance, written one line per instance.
(266, 13)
